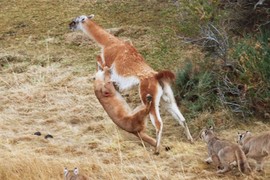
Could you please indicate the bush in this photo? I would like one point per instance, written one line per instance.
(196, 13)
(235, 71)
(246, 15)
(253, 55)
(254, 58)
(196, 89)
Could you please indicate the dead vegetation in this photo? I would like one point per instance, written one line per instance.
(45, 85)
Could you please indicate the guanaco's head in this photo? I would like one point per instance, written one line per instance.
(242, 136)
(76, 24)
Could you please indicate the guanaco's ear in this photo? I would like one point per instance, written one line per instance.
(76, 171)
(91, 16)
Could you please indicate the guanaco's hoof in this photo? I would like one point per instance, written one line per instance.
(48, 136)
(167, 148)
(148, 97)
(37, 133)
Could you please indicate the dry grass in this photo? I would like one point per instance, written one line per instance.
(46, 86)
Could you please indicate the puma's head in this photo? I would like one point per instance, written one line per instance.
(76, 24)
(242, 136)
(206, 134)
(99, 76)
(71, 174)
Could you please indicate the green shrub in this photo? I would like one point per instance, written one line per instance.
(253, 55)
(196, 13)
(246, 15)
(231, 76)
(196, 89)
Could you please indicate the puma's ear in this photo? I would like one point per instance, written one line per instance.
(65, 171)
(241, 136)
(99, 67)
(76, 171)
(91, 16)
(211, 128)
(107, 69)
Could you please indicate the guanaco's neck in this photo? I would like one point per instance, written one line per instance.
(98, 34)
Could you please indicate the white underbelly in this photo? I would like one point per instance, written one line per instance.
(124, 83)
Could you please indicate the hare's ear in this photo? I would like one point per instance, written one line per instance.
(65, 171)
(91, 16)
(76, 171)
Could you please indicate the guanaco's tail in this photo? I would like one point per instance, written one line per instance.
(242, 163)
(166, 76)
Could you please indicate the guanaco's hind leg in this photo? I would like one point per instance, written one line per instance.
(158, 124)
(152, 87)
(171, 106)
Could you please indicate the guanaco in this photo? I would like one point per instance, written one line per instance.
(128, 69)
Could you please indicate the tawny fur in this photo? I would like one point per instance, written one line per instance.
(255, 147)
(117, 108)
(129, 69)
(73, 175)
(224, 153)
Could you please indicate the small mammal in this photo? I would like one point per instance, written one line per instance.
(223, 153)
(129, 69)
(118, 109)
(73, 175)
(255, 147)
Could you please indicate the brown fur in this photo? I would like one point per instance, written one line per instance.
(73, 175)
(118, 110)
(255, 147)
(127, 63)
(223, 153)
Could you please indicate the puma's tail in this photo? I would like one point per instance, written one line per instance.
(242, 162)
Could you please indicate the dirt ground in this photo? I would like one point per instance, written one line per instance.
(46, 86)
